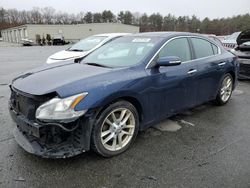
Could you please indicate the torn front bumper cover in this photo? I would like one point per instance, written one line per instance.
(51, 141)
(34, 147)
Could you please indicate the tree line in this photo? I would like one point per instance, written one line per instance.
(152, 22)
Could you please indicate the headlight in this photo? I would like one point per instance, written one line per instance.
(59, 109)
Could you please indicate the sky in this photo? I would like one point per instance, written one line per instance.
(201, 8)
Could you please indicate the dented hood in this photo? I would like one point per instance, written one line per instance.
(48, 79)
(243, 37)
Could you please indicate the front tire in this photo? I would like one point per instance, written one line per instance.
(225, 91)
(115, 129)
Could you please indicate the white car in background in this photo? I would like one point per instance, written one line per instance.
(230, 41)
(83, 47)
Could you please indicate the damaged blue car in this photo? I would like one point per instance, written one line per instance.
(131, 83)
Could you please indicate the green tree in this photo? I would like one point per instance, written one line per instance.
(2, 14)
(205, 26)
(155, 22)
(108, 16)
(128, 17)
(169, 23)
(97, 17)
(194, 25)
(144, 23)
(88, 18)
(120, 16)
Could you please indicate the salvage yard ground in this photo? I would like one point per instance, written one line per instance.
(207, 146)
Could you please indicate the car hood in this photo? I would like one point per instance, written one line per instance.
(229, 41)
(49, 79)
(64, 55)
(243, 37)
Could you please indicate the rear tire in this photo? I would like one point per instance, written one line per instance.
(225, 91)
(115, 129)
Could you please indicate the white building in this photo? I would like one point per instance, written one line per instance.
(69, 32)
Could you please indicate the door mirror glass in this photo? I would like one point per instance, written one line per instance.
(168, 61)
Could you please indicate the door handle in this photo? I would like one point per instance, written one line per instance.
(192, 71)
(222, 64)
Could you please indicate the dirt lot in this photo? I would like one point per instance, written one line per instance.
(212, 150)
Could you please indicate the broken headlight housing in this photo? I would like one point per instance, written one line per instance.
(61, 109)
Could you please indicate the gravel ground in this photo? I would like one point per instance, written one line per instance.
(209, 148)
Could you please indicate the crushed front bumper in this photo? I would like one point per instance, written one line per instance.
(49, 140)
(31, 145)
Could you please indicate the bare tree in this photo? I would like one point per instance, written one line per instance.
(13, 16)
(80, 17)
(23, 16)
(48, 14)
(72, 19)
(62, 18)
(36, 15)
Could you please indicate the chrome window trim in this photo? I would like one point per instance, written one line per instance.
(183, 36)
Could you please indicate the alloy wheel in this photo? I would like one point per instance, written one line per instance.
(226, 88)
(117, 129)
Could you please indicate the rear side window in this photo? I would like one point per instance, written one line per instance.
(215, 49)
(202, 48)
(217, 40)
(177, 47)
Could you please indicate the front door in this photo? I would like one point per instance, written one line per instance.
(173, 87)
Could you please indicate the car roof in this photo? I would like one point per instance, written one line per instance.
(165, 34)
(209, 35)
(162, 34)
(112, 34)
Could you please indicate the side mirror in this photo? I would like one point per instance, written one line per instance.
(168, 61)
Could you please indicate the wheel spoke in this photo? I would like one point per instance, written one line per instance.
(114, 143)
(222, 92)
(129, 126)
(225, 96)
(126, 118)
(125, 132)
(114, 117)
(108, 122)
(120, 140)
(108, 138)
(228, 84)
(122, 114)
(105, 133)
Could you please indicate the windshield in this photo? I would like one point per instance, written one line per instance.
(123, 52)
(87, 44)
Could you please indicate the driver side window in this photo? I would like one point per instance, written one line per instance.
(177, 47)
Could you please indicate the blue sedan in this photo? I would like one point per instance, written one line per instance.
(125, 86)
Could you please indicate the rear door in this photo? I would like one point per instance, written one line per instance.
(210, 68)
